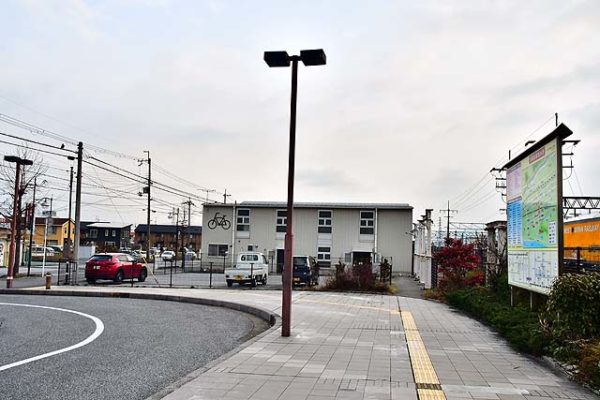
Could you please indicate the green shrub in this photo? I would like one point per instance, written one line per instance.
(573, 308)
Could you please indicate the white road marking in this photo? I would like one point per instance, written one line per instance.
(88, 340)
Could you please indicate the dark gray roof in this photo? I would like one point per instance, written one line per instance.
(281, 204)
(168, 229)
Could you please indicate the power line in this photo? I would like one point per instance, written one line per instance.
(36, 142)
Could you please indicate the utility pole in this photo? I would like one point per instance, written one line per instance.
(448, 211)
(148, 208)
(207, 192)
(77, 212)
(176, 245)
(225, 196)
(32, 228)
(69, 227)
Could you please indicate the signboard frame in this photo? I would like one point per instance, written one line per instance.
(557, 135)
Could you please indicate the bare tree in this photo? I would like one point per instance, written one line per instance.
(7, 184)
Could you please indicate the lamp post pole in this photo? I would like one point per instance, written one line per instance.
(282, 59)
(289, 235)
(46, 236)
(32, 228)
(13, 226)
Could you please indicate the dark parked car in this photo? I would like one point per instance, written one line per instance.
(115, 267)
(306, 271)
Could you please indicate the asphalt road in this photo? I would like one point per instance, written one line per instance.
(145, 346)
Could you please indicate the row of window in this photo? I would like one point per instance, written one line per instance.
(325, 218)
(94, 233)
(323, 253)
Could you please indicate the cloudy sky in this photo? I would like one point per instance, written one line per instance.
(417, 102)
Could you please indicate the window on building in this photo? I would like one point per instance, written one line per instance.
(243, 220)
(52, 230)
(106, 232)
(114, 233)
(348, 258)
(93, 233)
(367, 219)
(281, 221)
(324, 256)
(215, 250)
(325, 221)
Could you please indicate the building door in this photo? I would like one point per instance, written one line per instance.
(361, 257)
(280, 259)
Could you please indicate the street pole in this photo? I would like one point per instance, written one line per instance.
(13, 230)
(70, 229)
(148, 208)
(77, 212)
(32, 230)
(46, 237)
(176, 245)
(289, 236)
(225, 196)
(448, 222)
(282, 59)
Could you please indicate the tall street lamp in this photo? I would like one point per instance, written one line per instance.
(282, 59)
(49, 215)
(13, 227)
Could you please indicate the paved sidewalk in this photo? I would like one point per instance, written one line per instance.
(363, 346)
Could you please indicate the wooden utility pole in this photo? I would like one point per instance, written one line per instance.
(77, 213)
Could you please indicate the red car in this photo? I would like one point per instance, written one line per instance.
(115, 267)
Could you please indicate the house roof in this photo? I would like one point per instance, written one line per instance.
(55, 221)
(108, 225)
(168, 229)
(332, 205)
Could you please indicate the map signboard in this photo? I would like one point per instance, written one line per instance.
(533, 218)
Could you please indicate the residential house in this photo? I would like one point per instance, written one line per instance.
(164, 236)
(105, 236)
(331, 232)
(56, 231)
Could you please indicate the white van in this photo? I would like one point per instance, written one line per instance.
(250, 267)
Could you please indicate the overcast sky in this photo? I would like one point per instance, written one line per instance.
(417, 102)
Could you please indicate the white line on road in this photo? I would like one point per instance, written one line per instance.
(88, 340)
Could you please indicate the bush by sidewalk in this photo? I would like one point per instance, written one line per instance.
(358, 278)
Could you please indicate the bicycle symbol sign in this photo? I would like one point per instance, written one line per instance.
(219, 220)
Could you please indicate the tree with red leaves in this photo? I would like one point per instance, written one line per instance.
(457, 265)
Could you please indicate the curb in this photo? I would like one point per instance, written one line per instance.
(265, 315)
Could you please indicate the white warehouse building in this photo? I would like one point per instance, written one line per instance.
(330, 232)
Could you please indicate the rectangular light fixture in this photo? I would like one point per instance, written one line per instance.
(313, 57)
(277, 58)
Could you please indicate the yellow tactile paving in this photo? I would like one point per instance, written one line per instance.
(429, 394)
(428, 384)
